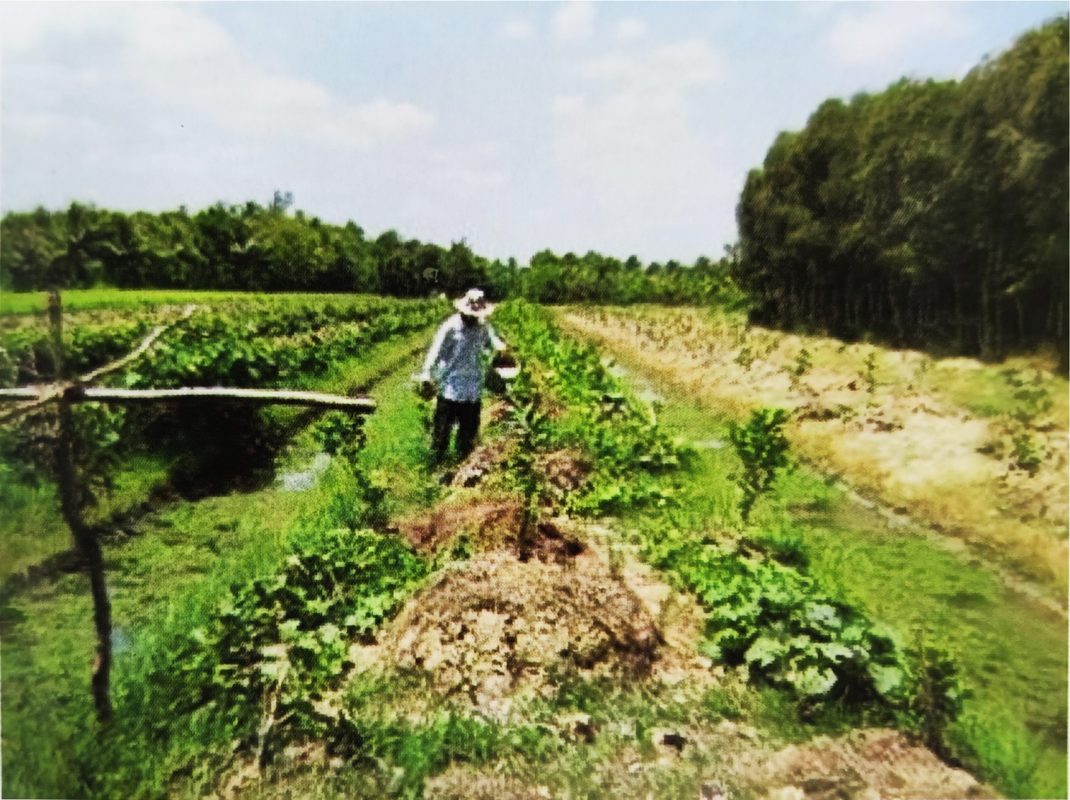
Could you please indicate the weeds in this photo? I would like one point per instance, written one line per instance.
(798, 368)
(868, 375)
(763, 450)
(936, 695)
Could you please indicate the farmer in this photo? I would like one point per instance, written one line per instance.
(455, 367)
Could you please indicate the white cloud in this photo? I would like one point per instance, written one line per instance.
(666, 68)
(876, 34)
(628, 135)
(629, 29)
(149, 71)
(517, 29)
(574, 21)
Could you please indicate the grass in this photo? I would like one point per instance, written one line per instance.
(168, 578)
(1011, 651)
(576, 742)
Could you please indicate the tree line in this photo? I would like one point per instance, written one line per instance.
(257, 247)
(932, 214)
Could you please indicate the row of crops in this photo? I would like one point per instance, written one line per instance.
(252, 342)
(760, 613)
(249, 342)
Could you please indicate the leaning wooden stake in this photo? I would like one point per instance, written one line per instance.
(85, 537)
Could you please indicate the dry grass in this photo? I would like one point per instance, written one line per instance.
(898, 425)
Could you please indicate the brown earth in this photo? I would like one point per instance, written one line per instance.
(729, 760)
(865, 765)
(489, 522)
(496, 626)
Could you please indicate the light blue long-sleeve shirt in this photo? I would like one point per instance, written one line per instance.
(455, 360)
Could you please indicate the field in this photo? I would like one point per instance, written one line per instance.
(302, 606)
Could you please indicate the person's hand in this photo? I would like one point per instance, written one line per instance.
(427, 389)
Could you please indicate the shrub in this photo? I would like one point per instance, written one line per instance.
(763, 449)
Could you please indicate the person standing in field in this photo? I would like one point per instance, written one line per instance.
(454, 370)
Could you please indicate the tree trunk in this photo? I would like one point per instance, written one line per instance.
(960, 320)
(985, 333)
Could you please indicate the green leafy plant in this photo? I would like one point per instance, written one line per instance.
(1032, 401)
(745, 357)
(619, 433)
(340, 434)
(779, 624)
(281, 640)
(799, 367)
(869, 374)
(1032, 398)
(935, 696)
(763, 450)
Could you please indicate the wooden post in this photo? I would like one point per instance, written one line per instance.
(85, 537)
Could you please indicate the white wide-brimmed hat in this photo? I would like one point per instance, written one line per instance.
(474, 304)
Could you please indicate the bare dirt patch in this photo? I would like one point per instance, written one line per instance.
(488, 522)
(563, 470)
(498, 626)
(485, 461)
(865, 765)
(678, 615)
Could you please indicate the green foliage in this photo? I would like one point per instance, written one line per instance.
(763, 450)
(339, 433)
(1032, 401)
(759, 613)
(264, 248)
(869, 373)
(1030, 392)
(276, 642)
(400, 755)
(786, 546)
(529, 424)
(929, 214)
(623, 439)
(1027, 453)
(780, 625)
(745, 357)
(799, 367)
(26, 352)
(936, 694)
(269, 344)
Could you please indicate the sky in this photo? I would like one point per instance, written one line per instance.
(626, 128)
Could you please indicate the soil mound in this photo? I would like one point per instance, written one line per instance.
(499, 625)
(866, 765)
(489, 524)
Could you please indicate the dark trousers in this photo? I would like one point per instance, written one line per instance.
(447, 413)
